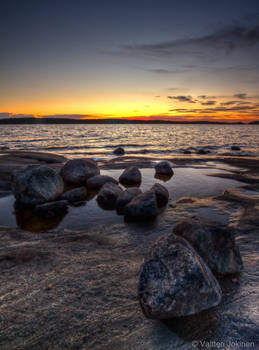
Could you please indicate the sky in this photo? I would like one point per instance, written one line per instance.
(146, 59)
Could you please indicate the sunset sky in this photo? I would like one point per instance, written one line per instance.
(176, 60)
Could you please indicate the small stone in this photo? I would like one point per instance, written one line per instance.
(142, 207)
(119, 151)
(164, 168)
(96, 182)
(131, 176)
(125, 197)
(235, 148)
(162, 194)
(108, 195)
(77, 171)
(75, 195)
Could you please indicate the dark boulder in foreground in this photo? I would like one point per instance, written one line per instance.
(162, 194)
(96, 182)
(164, 168)
(235, 148)
(175, 281)
(119, 151)
(35, 185)
(131, 176)
(78, 171)
(142, 207)
(126, 197)
(214, 242)
(75, 195)
(52, 209)
(108, 195)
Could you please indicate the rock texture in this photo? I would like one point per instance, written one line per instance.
(96, 182)
(108, 195)
(52, 209)
(35, 185)
(162, 194)
(142, 207)
(175, 281)
(126, 197)
(214, 242)
(164, 168)
(131, 176)
(75, 195)
(78, 171)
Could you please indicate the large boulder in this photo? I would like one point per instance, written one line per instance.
(78, 171)
(35, 185)
(175, 281)
(142, 207)
(164, 168)
(131, 176)
(108, 195)
(75, 195)
(162, 194)
(96, 182)
(214, 242)
(125, 197)
(119, 151)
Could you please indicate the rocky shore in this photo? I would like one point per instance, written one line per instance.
(72, 289)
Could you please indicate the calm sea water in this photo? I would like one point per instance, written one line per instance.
(98, 141)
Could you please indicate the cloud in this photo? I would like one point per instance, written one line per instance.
(209, 103)
(228, 103)
(225, 40)
(242, 96)
(182, 98)
(166, 71)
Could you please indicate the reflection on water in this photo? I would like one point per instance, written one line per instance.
(185, 182)
(99, 141)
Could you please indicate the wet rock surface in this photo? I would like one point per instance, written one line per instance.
(52, 209)
(75, 195)
(162, 195)
(96, 182)
(131, 176)
(175, 281)
(107, 197)
(37, 185)
(126, 197)
(142, 207)
(78, 171)
(214, 241)
(164, 168)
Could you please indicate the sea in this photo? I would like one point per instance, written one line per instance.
(157, 140)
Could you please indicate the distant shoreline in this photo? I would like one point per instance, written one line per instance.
(36, 121)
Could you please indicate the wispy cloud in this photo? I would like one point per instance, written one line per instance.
(182, 98)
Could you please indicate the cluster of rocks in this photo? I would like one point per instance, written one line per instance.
(178, 278)
(46, 190)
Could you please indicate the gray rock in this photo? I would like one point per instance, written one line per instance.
(37, 185)
(214, 242)
(52, 209)
(125, 197)
(96, 182)
(119, 151)
(131, 176)
(78, 171)
(162, 194)
(175, 281)
(75, 195)
(164, 168)
(235, 148)
(108, 195)
(203, 151)
(142, 207)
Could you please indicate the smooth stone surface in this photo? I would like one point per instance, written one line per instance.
(125, 197)
(131, 176)
(175, 281)
(142, 207)
(162, 194)
(78, 171)
(215, 242)
(119, 151)
(96, 182)
(52, 209)
(108, 195)
(164, 168)
(37, 185)
(75, 195)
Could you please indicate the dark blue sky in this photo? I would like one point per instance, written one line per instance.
(117, 57)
